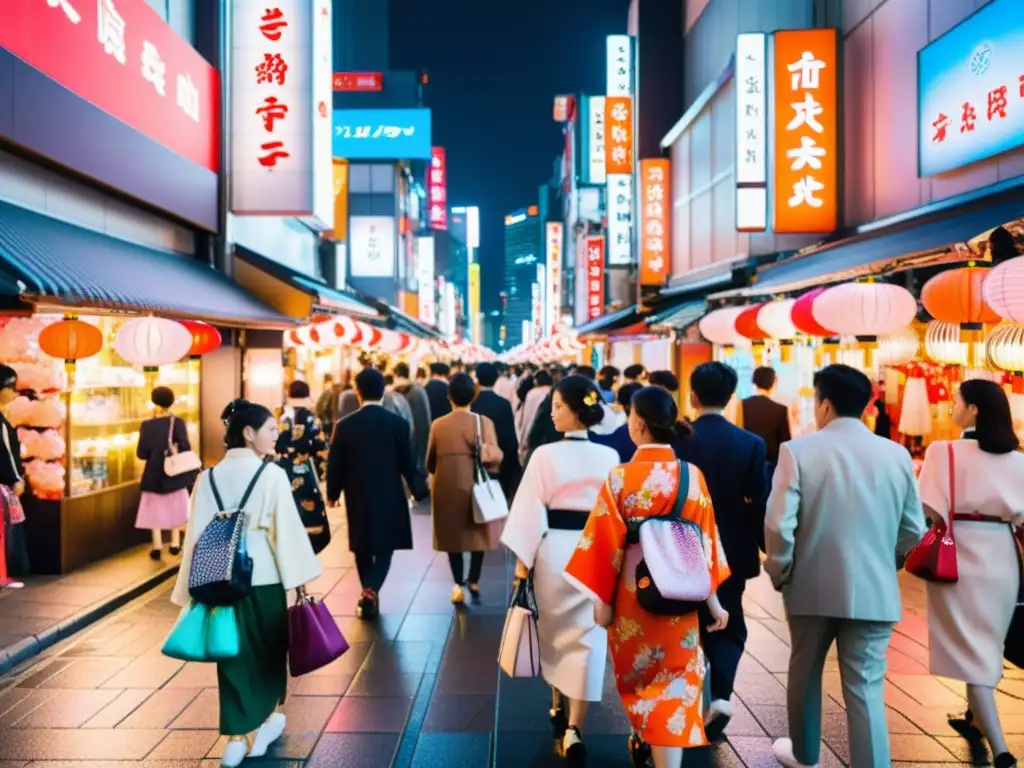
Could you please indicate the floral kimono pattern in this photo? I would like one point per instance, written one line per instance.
(658, 660)
(301, 453)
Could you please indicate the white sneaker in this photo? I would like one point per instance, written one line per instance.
(783, 749)
(458, 595)
(268, 733)
(234, 754)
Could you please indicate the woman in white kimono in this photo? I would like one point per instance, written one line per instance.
(969, 619)
(558, 490)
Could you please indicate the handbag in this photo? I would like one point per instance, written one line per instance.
(175, 462)
(489, 502)
(221, 572)
(13, 501)
(934, 557)
(672, 575)
(314, 640)
(203, 634)
(519, 652)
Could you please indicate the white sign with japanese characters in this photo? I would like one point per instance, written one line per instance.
(280, 115)
(371, 246)
(620, 219)
(427, 289)
(751, 110)
(596, 169)
(620, 65)
(553, 256)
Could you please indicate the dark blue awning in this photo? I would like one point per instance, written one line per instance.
(613, 321)
(52, 261)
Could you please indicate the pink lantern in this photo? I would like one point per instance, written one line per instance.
(865, 310)
(719, 327)
(1003, 289)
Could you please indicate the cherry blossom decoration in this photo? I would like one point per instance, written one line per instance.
(719, 327)
(152, 341)
(865, 310)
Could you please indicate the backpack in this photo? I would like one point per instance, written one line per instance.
(221, 572)
(672, 576)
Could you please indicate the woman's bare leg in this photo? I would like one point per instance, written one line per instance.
(982, 701)
(577, 713)
(667, 757)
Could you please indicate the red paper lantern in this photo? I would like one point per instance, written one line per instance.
(294, 336)
(205, 338)
(746, 324)
(71, 339)
(955, 296)
(375, 338)
(802, 315)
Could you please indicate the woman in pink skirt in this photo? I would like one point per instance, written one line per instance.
(164, 502)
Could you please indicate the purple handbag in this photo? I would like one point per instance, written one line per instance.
(314, 640)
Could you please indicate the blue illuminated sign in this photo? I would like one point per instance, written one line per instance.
(381, 134)
(970, 85)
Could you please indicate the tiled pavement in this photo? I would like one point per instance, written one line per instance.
(420, 688)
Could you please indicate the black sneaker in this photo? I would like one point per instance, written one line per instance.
(175, 551)
(366, 607)
(155, 554)
(1005, 760)
(474, 593)
(573, 748)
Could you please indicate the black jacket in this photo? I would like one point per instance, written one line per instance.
(499, 410)
(543, 431)
(152, 449)
(437, 394)
(10, 473)
(733, 463)
(370, 456)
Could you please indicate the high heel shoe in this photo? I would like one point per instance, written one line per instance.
(573, 748)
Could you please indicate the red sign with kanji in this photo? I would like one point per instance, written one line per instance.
(358, 81)
(595, 276)
(437, 189)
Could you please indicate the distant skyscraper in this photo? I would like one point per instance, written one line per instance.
(524, 250)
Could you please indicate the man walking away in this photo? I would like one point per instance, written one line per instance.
(635, 374)
(765, 417)
(495, 407)
(419, 404)
(505, 386)
(370, 456)
(843, 511)
(437, 391)
(327, 405)
(732, 461)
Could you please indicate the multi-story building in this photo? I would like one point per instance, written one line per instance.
(524, 255)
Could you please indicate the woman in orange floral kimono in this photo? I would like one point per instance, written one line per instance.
(658, 660)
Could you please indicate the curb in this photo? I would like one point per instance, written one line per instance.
(24, 650)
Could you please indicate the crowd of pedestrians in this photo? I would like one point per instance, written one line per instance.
(589, 461)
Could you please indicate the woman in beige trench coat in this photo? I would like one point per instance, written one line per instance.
(450, 460)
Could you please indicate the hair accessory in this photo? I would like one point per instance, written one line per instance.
(590, 398)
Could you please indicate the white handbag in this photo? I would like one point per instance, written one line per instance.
(178, 463)
(519, 652)
(489, 502)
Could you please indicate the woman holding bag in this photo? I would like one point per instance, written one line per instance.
(251, 687)
(979, 479)
(452, 460)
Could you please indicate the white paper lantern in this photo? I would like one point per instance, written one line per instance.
(865, 309)
(719, 327)
(1006, 347)
(1003, 289)
(899, 347)
(916, 413)
(943, 343)
(775, 320)
(152, 341)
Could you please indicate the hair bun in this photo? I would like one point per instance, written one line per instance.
(235, 406)
(682, 429)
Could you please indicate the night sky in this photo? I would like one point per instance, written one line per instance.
(493, 77)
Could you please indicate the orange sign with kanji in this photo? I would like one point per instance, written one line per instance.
(655, 220)
(806, 112)
(618, 148)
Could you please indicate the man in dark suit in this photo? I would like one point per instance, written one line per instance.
(499, 410)
(437, 391)
(733, 463)
(766, 418)
(370, 456)
(419, 403)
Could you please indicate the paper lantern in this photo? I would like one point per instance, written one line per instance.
(719, 327)
(205, 338)
(956, 296)
(1003, 289)
(898, 348)
(776, 321)
(71, 339)
(747, 325)
(916, 412)
(865, 310)
(944, 343)
(1006, 348)
(152, 341)
(802, 315)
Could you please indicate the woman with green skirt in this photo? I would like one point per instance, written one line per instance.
(251, 686)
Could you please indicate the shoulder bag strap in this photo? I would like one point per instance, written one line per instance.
(252, 484)
(10, 452)
(171, 447)
(683, 491)
(216, 493)
(952, 490)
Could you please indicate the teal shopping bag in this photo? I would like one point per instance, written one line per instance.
(187, 640)
(222, 640)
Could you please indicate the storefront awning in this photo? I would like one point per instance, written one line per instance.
(292, 293)
(901, 243)
(613, 321)
(397, 320)
(678, 317)
(55, 263)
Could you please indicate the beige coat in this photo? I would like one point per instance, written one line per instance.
(450, 462)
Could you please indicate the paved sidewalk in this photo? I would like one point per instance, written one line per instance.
(51, 608)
